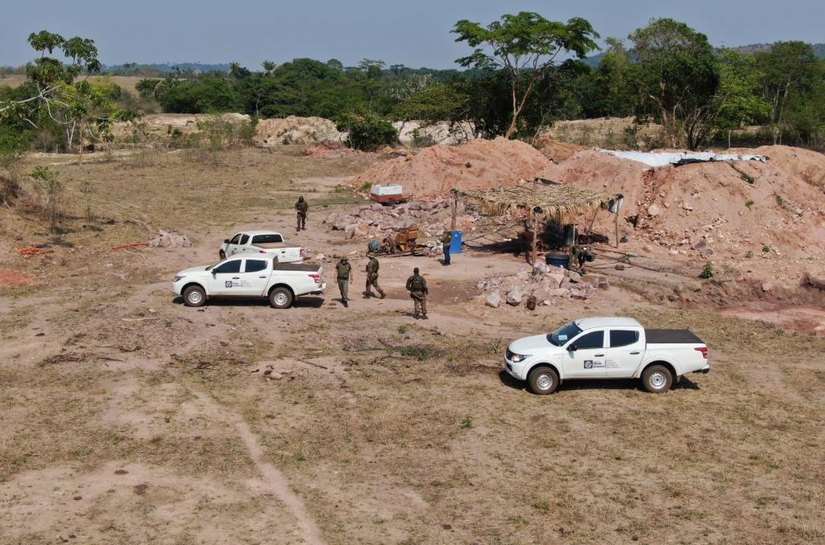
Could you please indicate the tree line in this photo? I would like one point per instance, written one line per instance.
(522, 73)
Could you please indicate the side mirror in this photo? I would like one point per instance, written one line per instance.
(572, 348)
(214, 272)
(226, 241)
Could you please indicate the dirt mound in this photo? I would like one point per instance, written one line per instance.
(478, 164)
(556, 150)
(295, 130)
(766, 218)
(163, 127)
(420, 133)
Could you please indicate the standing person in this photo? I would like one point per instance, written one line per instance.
(446, 239)
(344, 273)
(417, 287)
(372, 277)
(301, 208)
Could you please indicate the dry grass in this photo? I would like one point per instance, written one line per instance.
(389, 431)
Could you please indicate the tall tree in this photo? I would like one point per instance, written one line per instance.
(526, 46)
(61, 93)
(739, 98)
(677, 75)
(788, 69)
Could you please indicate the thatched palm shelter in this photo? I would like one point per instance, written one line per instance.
(545, 200)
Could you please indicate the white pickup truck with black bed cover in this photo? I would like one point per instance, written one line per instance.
(249, 275)
(605, 348)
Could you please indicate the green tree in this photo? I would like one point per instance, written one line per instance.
(435, 103)
(789, 70)
(677, 75)
(739, 98)
(368, 132)
(59, 91)
(526, 46)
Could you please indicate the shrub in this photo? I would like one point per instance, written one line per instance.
(51, 191)
(368, 132)
(707, 271)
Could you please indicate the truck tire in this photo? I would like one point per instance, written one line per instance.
(194, 296)
(281, 298)
(222, 255)
(543, 380)
(657, 379)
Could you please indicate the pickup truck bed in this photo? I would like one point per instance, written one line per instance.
(666, 336)
(309, 267)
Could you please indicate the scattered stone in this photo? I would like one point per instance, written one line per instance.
(584, 290)
(516, 295)
(493, 299)
(167, 239)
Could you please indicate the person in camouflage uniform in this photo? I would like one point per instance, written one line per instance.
(301, 208)
(417, 286)
(344, 274)
(372, 278)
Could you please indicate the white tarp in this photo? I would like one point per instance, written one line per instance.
(660, 159)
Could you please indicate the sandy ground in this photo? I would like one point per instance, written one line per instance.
(126, 417)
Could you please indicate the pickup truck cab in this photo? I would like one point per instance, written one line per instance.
(606, 347)
(249, 275)
(262, 242)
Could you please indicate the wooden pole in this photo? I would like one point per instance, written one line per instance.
(535, 236)
(618, 210)
(454, 205)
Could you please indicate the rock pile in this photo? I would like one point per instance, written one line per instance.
(420, 133)
(378, 221)
(539, 284)
(295, 130)
(166, 239)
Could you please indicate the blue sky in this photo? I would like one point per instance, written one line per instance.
(414, 32)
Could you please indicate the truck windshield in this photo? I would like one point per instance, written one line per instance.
(563, 334)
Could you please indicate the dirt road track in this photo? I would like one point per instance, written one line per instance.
(274, 480)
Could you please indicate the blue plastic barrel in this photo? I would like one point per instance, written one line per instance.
(455, 242)
(557, 259)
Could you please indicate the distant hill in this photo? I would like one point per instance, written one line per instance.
(163, 68)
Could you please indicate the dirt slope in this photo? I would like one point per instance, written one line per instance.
(478, 164)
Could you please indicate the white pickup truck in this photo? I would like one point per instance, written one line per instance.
(606, 348)
(249, 275)
(262, 242)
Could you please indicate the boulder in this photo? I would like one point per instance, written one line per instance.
(516, 295)
(584, 290)
(493, 299)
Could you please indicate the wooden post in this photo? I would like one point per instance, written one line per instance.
(618, 210)
(454, 206)
(535, 236)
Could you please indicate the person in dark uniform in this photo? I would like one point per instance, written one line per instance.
(344, 274)
(301, 208)
(417, 286)
(372, 278)
(446, 239)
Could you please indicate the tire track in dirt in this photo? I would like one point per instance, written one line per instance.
(275, 481)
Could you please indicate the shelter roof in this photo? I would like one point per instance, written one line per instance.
(546, 194)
